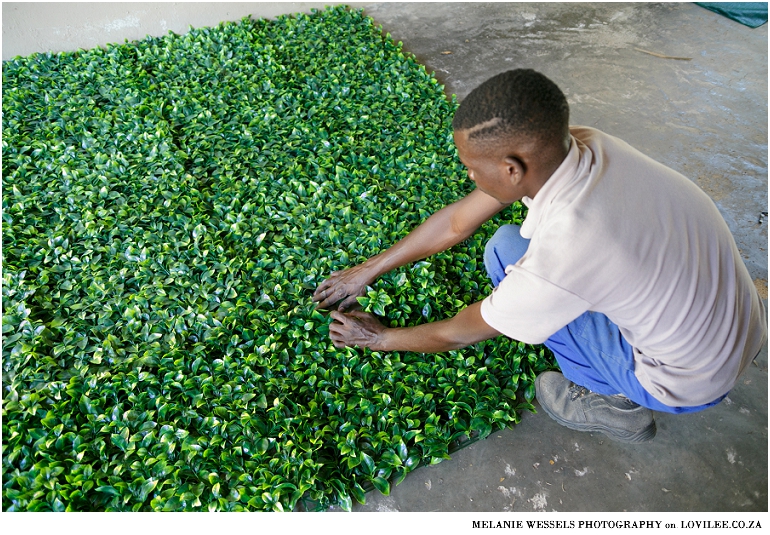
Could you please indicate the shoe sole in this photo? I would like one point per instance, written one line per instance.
(643, 435)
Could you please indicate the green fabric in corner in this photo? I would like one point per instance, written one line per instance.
(751, 14)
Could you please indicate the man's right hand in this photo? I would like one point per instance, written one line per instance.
(344, 286)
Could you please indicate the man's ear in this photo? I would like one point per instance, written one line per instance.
(515, 169)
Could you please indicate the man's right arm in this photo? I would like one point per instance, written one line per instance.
(442, 230)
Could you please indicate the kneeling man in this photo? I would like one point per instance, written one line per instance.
(623, 267)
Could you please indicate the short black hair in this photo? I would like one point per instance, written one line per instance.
(523, 101)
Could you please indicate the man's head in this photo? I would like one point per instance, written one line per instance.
(516, 122)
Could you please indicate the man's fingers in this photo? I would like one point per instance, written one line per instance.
(324, 289)
(321, 302)
(328, 295)
(360, 314)
(348, 302)
(338, 316)
(326, 304)
(322, 292)
(336, 334)
(327, 298)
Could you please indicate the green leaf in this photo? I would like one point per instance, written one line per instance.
(367, 463)
(262, 401)
(401, 450)
(345, 503)
(358, 493)
(146, 488)
(391, 458)
(382, 485)
(412, 462)
(107, 489)
(119, 441)
(529, 392)
(85, 405)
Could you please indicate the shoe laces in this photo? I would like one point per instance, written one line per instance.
(577, 391)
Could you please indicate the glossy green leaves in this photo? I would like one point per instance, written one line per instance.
(169, 205)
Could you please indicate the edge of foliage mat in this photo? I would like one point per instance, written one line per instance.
(169, 205)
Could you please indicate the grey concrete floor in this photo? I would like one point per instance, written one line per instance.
(705, 117)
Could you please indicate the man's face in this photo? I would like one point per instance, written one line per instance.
(487, 169)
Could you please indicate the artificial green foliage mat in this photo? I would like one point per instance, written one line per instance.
(169, 206)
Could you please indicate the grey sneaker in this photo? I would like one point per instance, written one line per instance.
(578, 408)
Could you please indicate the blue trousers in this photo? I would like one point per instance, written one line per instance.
(591, 351)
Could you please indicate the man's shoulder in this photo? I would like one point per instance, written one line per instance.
(579, 131)
(593, 136)
(606, 148)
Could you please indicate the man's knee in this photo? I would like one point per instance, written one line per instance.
(506, 244)
(505, 247)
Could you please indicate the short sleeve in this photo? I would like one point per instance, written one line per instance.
(528, 308)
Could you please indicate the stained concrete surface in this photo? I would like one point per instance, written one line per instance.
(705, 117)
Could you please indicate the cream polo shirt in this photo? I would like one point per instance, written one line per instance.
(615, 232)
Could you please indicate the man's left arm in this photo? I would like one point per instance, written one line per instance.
(360, 329)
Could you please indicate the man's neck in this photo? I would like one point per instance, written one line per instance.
(542, 175)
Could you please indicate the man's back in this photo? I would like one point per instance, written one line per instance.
(621, 234)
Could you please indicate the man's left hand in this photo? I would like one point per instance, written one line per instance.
(356, 329)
